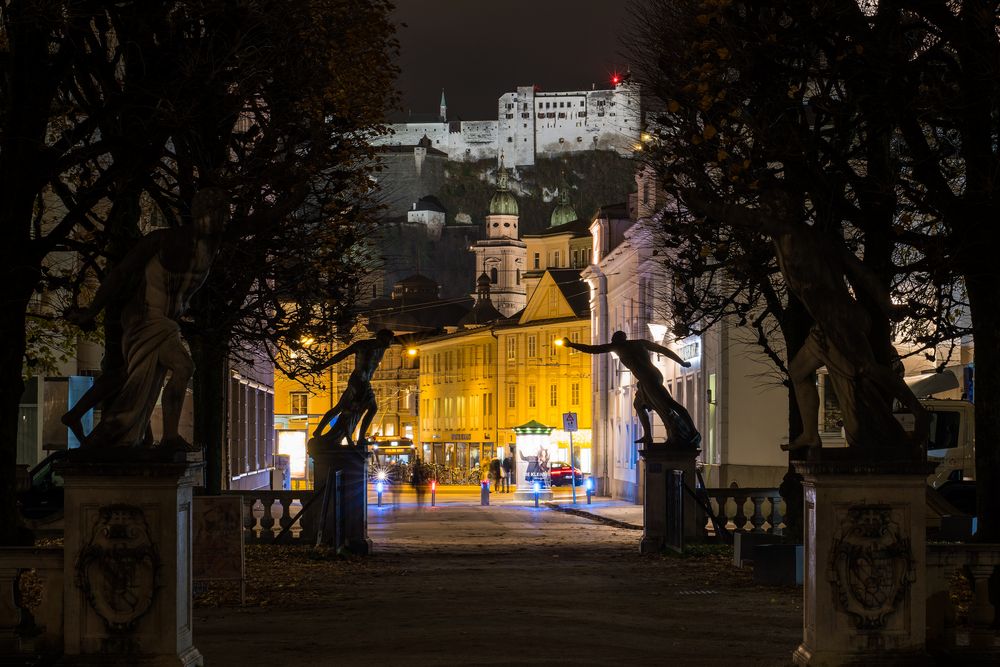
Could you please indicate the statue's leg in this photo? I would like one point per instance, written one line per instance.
(370, 408)
(802, 373)
(175, 358)
(678, 421)
(327, 418)
(640, 410)
(105, 385)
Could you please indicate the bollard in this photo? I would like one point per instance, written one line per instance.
(484, 493)
(537, 488)
(378, 489)
(590, 488)
(434, 486)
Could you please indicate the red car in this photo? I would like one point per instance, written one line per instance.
(562, 474)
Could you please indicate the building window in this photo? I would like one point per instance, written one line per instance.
(532, 347)
(512, 396)
(299, 401)
(538, 261)
(511, 348)
(555, 261)
(574, 393)
(574, 337)
(494, 275)
(553, 395)
(519, 276)
(531, 395)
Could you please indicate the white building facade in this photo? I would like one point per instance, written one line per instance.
(741, 414)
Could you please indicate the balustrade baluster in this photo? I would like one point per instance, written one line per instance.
(722, 514)
(776, 517)
(267, 519)
(757, 520)
(286, 518)
(740, 518)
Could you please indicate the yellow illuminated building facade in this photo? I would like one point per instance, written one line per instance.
(478, 383)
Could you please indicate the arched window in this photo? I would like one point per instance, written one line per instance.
(494, 275)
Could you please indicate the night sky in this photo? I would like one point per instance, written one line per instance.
(478, 49)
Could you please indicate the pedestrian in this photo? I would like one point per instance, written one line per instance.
(418, 481)
(495, 470)
(508, 471)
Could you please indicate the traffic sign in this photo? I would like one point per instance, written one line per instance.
(569, 422)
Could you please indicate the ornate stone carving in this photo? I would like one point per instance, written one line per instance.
(118, 570)
(871, 566)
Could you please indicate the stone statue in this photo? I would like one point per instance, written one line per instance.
(358, 401)
(160, 273)
(651, 394)
(822, 273)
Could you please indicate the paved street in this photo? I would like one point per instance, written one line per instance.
(461, 584)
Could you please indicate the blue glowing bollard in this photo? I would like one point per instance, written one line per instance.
(590, 488)
(379, 488)
(484, 493)
(537, 488)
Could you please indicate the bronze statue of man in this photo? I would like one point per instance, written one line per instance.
(163, 271)
(358, 401)
(651, 393)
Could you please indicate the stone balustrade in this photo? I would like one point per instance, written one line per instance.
(944, 560)
(750, 510)
(267, 513)
(31, 624)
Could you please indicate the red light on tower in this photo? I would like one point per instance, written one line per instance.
(616, 79)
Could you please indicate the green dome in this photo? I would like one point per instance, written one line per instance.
(503, 202)
(563, 212)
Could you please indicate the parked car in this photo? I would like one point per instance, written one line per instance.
(563, 474)
(42, 501)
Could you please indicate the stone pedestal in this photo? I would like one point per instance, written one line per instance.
(670, 515)
(350, 498)
(127, 572)
(865, 562)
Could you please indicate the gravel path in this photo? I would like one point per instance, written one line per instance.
(461, 584)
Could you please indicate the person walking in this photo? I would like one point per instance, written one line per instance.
(418, 481)
(495, 474)
(508, 469)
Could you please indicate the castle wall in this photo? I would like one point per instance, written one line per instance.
(531, 124)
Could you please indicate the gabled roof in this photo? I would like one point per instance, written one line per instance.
(574, 301)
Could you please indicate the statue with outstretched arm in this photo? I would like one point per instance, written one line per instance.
(358, 401)
(651, 393)
(160, 275)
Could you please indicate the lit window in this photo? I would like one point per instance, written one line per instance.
(532, 347)
(531, 396)
(511, 348)
(553, 395)
(574, 394)
(512, 396)
(299, 401)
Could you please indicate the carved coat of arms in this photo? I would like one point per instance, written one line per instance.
(118, 569)
(871, 566)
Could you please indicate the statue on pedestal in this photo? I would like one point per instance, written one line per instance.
(827, 278)
(160, 275)
(358, 401)
(651, 394)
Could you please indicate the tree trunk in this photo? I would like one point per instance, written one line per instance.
(795, 329)
(11, 390)
(983, 288)
(211, 386)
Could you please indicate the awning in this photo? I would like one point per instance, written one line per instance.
(931, 383)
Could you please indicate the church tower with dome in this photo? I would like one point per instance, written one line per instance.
(501, 256)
